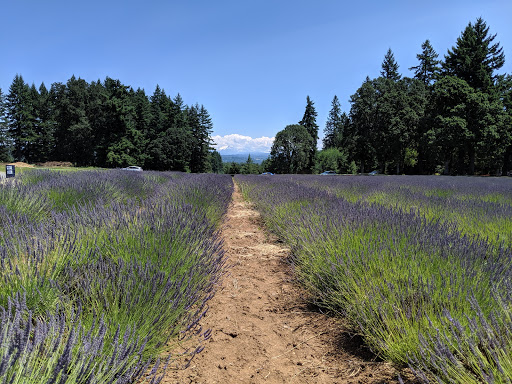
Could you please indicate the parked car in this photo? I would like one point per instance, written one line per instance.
(132, 168)
(329, 173)
(373, 173)
(267, 174)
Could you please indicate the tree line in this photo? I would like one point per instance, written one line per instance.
(104, 124)
(454, 116)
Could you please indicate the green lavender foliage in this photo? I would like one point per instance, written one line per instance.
(426, 290)
(101, 270)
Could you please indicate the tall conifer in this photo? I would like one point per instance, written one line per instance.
(334, 126)
(20, 116)
(390, 67)
(428, 67)
(309, 122)
(475, 57)
(5, 141)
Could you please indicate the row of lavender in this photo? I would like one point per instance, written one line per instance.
(101, 271)
(403, 260)
(476, 206)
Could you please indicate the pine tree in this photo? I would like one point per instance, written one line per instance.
(216, 165)
(428, 68)
(389, 126)
(505, 88)
(309, 122)
(44, 126)
(474, 60)
(97, 117)
(250, 167)
(309, 119)
(334, 126)
(5, 141)
(390, 67)
(155, 136)
(201, 129)
(475, 57)
(363, 113)
(142, 107)
(160, 104)
(75, 141)
(179, 135)
(20, 114)
(123, 142)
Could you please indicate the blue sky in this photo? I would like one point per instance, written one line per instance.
(250, 62)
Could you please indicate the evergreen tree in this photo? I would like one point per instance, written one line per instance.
(505, 91)
(122, 142)
(414, 116)
(470, 130)
(20, 114)
(105, 124)
(250, 167)
(97, 117)
(142, 108)
(232, 168)
(384, 122)
(171, 143)
(452, 132)
(333, 131)
(388, 123)
(201, 129)
(399, 106)
(427, 71)
(156, 141)
(216, 164)
(182, 123)
(309, 122)
(475, 57)
(428, 68)
(33, 154)
(363, 126)
(44, 145)
(5, 141)
(390, 67)
(492, 136)
(74, 135)
(474, 60)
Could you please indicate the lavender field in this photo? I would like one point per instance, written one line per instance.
(420, 266)
(102, 271)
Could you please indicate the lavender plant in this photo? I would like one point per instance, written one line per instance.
(109, 270)
(477, 206)
(422, 289)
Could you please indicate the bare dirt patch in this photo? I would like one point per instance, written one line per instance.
(20, 164)
(263, 330)
(53, 164)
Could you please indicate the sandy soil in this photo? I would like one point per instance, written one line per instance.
(263, 330)
(20, 164)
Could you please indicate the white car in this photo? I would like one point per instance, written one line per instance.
(132, 168)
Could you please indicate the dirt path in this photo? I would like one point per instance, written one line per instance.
(262, 330)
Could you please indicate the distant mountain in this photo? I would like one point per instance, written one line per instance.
(256, 157)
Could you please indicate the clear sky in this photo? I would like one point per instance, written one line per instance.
(251, 63)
